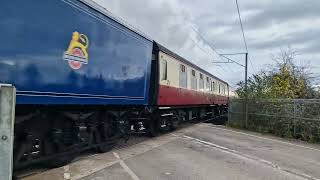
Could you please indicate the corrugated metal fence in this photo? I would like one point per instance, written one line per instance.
(297, 118)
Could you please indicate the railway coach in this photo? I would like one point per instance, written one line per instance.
(184, 91)
(84, 80)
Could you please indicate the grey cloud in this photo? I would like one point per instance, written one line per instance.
(305, 37)
(312, 48)
(158, 20)
(277, 12)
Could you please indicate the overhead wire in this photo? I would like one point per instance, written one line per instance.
(243, 35)
(201, 48)
(240, 20)
(208, 43)
(213, 48)
(205, 51)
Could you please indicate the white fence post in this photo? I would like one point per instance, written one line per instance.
(7, 114)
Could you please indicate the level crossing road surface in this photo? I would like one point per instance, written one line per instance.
(199, 152)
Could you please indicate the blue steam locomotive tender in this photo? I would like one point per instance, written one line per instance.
(84, 80)
(64, 52)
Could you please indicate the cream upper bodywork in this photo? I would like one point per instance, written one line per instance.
(173, 74)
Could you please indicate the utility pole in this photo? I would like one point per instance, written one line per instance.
(245, 66)
(229, 60)
(246, 89)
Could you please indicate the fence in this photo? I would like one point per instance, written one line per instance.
(297, 118)
(7, 112)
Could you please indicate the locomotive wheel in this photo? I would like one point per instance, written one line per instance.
(62, 153)
(103, 136)
(61, 159)
(22, 150)
(105, 146)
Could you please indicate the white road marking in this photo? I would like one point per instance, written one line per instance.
(126, 168)
(116, 155)
(93, 170)
(274, 140)
(246, 156)
(66, 174)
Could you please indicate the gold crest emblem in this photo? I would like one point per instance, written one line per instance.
(76, 53)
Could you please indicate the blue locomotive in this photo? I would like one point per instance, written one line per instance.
(64, 52)
(84, 80)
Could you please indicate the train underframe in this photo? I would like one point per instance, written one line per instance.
(54, 135)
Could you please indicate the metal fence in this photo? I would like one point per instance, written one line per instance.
(298, 118)
(7, 113)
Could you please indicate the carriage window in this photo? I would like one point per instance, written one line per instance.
(212, 86)
(193, 73)
(183, 81)
(201, 82)
(193, 80)
(164, 72)
(208, 84)
(183, 68)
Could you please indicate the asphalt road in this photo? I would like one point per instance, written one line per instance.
(200, 152)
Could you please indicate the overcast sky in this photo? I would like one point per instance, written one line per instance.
(269, 25)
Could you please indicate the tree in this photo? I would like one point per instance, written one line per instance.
(285, 79)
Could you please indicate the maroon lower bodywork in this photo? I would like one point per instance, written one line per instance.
(172, 96)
